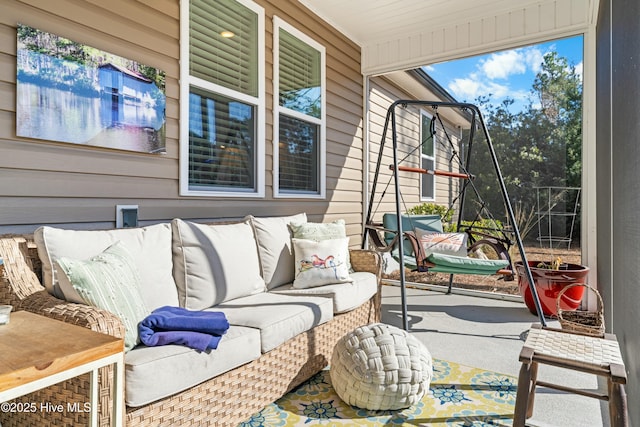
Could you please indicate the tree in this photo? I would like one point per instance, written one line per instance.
(540, 146)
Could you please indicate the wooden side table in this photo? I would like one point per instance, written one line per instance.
(36, 352)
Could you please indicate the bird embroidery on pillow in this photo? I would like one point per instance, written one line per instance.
(317, 262)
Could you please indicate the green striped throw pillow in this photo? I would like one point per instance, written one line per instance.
(109, 281)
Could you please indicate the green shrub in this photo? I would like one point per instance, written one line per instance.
(449, 226)
(485, 225)
(431, 209)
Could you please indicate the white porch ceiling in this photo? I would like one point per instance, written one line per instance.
(403, 34)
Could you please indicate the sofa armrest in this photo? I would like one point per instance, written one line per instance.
(45, 304)
(366, 260)
(20, 287)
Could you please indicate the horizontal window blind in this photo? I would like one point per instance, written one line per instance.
(299, 76)
(231, 62)
(221, 135)
(298, 155)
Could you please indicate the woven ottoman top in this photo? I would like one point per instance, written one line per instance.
(379, 366)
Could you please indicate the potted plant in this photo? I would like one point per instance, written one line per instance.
(549, 279)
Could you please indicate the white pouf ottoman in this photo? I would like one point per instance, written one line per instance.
(380, 366)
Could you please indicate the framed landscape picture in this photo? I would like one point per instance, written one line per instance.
(69, 92)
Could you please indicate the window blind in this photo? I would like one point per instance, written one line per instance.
(221, 135)
(298, 155)
(231, 62)
(299, 75)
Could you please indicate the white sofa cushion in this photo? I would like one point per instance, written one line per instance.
(345, 296)
(150, 247)
(275, 248)
(214, 263)
(152, 373)
(278, 317)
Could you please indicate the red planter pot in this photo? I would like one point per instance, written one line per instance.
(549, 283)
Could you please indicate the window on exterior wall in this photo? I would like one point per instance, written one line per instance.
(427, 156)
(299, 116)
(222, 71)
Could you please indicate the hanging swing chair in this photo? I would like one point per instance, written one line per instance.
(418, 242)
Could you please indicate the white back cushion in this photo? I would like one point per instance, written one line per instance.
(275, 248)
(214, 263)
(150, 247)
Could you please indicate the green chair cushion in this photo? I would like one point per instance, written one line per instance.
(465, 265)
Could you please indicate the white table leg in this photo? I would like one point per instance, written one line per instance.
(118, 390)
(93, 398)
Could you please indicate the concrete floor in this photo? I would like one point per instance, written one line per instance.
(489, 334)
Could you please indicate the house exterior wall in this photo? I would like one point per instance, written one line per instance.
(74, 186)
(382, 94)
(618, 114)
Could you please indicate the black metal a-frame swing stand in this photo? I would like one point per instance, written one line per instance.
(477, 121)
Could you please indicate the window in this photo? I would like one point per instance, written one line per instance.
(427, 156)
(299, 116)
(222, 78)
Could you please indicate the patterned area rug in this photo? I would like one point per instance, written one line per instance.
(458, 396)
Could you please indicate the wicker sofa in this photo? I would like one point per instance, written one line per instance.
(228, 397)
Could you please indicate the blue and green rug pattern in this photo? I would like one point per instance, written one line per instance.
(458, 396)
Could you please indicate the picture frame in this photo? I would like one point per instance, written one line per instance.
(69, 92)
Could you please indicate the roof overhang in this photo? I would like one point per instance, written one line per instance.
(421, 86)
(406, 34)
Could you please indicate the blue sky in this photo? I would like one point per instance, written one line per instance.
(502, 74)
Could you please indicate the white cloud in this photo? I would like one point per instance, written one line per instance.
(471, 87)
(579, 69)
(466, 88)
(533, 58)
(497, 90)
(502, 65)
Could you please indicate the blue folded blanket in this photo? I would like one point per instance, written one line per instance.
(201, 330)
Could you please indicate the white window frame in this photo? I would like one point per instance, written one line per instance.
(279, 23)
(186, 81)
(423, 156)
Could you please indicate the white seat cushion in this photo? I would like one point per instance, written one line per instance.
(278, 317)
(345, 296)
(153, 373)
(149, 246)
(214, 263)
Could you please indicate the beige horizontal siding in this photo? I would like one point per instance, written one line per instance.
(48, 182)
(383, 94)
